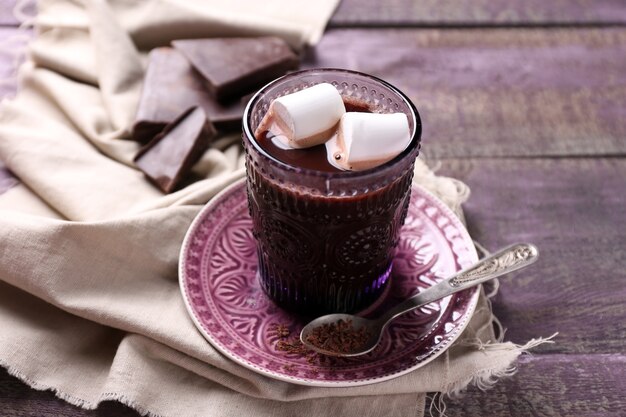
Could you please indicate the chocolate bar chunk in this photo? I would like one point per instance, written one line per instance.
(170, 87)
(236, 66)
(172, 153)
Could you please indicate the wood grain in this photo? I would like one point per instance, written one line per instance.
(573, 210)
(478, 12)
(552, 385)
(499, 92)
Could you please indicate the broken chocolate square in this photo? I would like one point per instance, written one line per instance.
(233, 67)
(172, 153)
(171, 86)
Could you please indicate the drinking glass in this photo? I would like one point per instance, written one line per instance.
(325, 240)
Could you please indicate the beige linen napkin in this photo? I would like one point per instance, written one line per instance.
(89, 300)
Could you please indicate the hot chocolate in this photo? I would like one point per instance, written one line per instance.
(325, 237)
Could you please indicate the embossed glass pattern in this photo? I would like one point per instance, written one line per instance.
(325, 241)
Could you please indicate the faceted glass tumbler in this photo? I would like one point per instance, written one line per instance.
(326, 240)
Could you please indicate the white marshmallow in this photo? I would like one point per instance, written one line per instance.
(366, 140)
(308, 117)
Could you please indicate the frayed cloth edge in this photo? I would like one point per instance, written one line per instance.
(486, 378)
(79, 402)
(76, 401)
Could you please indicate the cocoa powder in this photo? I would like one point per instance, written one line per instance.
(340, 336)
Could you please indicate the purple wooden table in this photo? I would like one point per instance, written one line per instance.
(526, 102)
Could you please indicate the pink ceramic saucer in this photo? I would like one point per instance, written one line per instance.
(218, 281)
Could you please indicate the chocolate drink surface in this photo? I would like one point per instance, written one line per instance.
(325, 237)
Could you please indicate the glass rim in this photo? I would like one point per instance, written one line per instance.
(415, 139)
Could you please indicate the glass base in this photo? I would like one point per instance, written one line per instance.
(314, 297)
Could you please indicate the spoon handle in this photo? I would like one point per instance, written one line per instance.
(502, 262)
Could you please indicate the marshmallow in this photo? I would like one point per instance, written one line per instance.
(308, 117)
(366, 140)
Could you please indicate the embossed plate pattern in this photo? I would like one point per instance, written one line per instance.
(218, 281)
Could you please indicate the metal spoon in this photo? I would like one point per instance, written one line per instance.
(506, 260)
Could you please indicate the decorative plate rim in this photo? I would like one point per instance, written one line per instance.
(453, 336)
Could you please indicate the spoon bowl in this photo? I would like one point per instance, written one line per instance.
(343, 335)
(347, 335)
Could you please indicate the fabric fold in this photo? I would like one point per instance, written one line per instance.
(118, 63)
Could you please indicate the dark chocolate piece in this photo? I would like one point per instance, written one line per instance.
(172, 153)
(233, 67)
(171, 86)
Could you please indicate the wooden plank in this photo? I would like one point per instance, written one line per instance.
(573, 210)
(499, 92)
(552, 385)
(478, 12)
